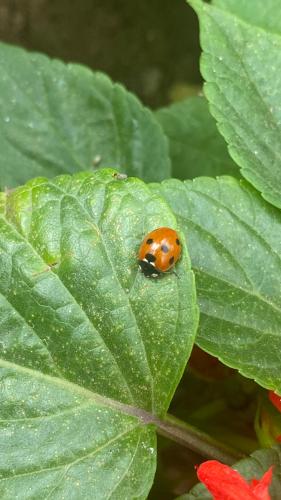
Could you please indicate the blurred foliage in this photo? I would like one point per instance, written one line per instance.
(149, 46)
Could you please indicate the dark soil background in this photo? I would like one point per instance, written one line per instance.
(150, 46)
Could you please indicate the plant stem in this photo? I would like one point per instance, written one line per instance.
(196, 440)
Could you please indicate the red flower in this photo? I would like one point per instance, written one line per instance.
(227, 484)
(275, 400)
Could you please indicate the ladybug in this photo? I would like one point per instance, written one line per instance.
(159, 252)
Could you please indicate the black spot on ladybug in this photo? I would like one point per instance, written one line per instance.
(178, 241)
(149, 241)
(164, 248)
(171, 260)
(150, 258)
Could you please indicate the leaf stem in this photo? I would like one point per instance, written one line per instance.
(197, 440)
(170, 427)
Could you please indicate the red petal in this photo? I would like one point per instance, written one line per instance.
(223, 482)
(275, 399)
(260, 488)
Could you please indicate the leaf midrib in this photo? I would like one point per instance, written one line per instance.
(251, 228)
(247, 291)
(139, 413)
(66, 194)
(27, 242)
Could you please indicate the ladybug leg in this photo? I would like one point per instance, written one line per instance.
(172, 272)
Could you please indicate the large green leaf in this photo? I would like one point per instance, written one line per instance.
(240, 65)
(60, 441)
(234, 241)
(252, 467)
(79, 323)
(196, 146)
(57, 118)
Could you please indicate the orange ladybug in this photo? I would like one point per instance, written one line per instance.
(159, 252)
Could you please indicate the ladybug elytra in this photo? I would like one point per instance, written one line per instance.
(159, 252)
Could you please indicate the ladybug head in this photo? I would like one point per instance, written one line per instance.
(148, 269)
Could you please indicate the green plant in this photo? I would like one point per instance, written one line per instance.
(91, 350)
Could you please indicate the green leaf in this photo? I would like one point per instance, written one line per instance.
(262, 14)
(252, 467)
(62, 441)
(233, 237)
(196, 147)
(57, 118)
(83, 335)
(240, 64)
